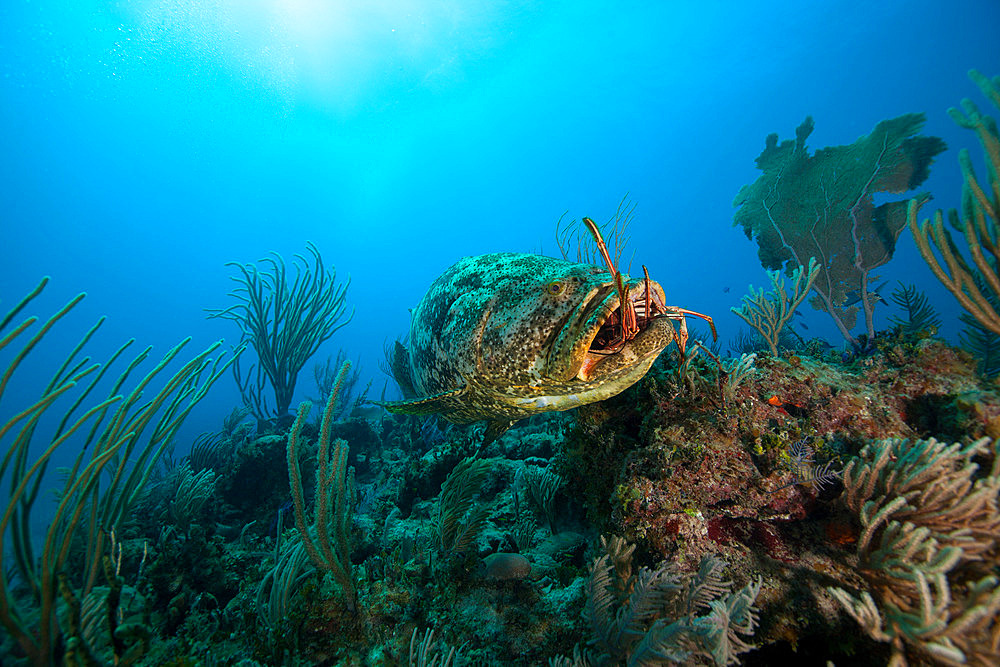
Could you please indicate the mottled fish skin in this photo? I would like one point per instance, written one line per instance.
(503, 336)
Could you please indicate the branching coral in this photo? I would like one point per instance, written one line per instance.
(121, 439)
(334, 493)
(769, 312)
(925, 519)
(822, 205)
(920, 314)
(285, 322)
(977, 286)
(737, 371)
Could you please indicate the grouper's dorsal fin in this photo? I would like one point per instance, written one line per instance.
(426, 405)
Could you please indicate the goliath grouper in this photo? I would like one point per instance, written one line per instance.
(504, 336)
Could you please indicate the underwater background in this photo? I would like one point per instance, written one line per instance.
(146, 144)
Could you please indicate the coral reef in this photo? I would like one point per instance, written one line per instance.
(697, 476)
(766, 504)
(797, 502)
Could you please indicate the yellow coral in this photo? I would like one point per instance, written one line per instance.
(976, 287)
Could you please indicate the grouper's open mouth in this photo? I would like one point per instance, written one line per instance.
(601, 349)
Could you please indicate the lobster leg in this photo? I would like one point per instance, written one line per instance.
(628, 320)
(711, 323)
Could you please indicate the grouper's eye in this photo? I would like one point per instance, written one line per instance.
(555, 288)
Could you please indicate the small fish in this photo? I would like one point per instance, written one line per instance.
(504, 336)
(790, 408)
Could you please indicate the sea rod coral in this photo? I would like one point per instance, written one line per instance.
(121, 438)
(334, 496)
(285, 322)
(975, 285)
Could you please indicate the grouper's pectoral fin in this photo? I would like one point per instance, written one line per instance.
(425, 405)
(399, 364)
(494, 429)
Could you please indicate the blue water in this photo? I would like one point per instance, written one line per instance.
(145, 144)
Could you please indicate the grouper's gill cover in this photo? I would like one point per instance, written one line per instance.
(506, 335)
